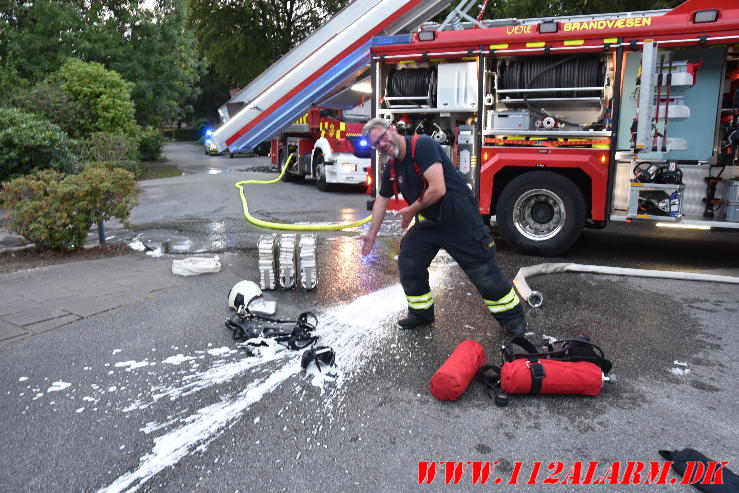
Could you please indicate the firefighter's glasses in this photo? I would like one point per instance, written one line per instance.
(381, 139)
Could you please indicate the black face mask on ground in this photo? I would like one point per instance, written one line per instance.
(296, 333)
(320, 355)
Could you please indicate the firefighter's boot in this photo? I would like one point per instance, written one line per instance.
(415, 321)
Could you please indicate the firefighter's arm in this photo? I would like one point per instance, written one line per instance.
(434, 175)
(378, 215)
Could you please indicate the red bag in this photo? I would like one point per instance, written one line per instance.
(452, 379)
(560, 377)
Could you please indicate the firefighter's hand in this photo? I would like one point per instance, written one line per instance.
(407, 214)
(368, 241)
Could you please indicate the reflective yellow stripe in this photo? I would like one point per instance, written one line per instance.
(536, 44)
(505, 299)
(420, 217)
(502, 308)
(502, 46)
(574, 42)
(421, 305)
(610, 40)
(423, 297)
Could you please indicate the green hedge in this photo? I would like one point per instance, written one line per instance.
(183, 134)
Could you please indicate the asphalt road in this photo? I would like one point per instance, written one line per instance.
(154, 395)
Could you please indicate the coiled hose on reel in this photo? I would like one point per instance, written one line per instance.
(412, 82)
(548, 72)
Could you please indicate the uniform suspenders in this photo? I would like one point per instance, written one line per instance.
(419, 171)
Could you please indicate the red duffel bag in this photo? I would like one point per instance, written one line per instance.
(558, 377)
(454, 376)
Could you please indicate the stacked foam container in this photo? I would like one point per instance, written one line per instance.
(287, 261)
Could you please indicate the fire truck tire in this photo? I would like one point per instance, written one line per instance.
(320, 174)
(541, 213)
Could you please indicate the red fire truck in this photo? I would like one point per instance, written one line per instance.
(564, 123)
(326, 145)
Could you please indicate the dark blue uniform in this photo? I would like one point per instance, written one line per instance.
(454, 224)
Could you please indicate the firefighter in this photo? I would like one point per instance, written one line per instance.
(446, 216)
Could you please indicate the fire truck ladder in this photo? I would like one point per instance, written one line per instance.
(326, 61)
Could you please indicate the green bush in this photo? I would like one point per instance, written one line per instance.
(137, 168)
(101, 96)
(106, 146)
(150, 145)
(56, 212)
(49, 101)
(28, 143)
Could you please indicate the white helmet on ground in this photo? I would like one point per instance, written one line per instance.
(243, 293)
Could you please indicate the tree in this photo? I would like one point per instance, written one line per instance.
(148, 44)
(150, 47)
(102, 98)
(37, 37)
(213, 93)
(242, 39)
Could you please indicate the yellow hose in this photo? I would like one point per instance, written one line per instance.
(289, 227)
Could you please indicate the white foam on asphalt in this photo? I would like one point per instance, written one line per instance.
(131, 365)
(203, 427)
(137, 245)
(352, 330)
(178, 359)
(58, 386)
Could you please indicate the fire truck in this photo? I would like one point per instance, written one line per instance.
(562, 123)
(326, 145)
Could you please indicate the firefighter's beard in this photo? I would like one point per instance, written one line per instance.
(392, 148)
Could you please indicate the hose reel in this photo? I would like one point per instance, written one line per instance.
(411, 87)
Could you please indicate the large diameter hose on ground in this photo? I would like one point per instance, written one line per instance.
(535, 298)
(285, 226)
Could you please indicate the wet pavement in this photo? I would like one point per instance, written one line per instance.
(152, 393)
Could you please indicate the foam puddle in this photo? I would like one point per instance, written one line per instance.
(352, 330)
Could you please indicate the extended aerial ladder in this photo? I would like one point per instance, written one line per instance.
(322, 64)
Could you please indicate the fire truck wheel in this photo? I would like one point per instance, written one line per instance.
(320, 175)
(541, 213)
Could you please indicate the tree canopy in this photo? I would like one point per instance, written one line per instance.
(243, 38)
(150, 47)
